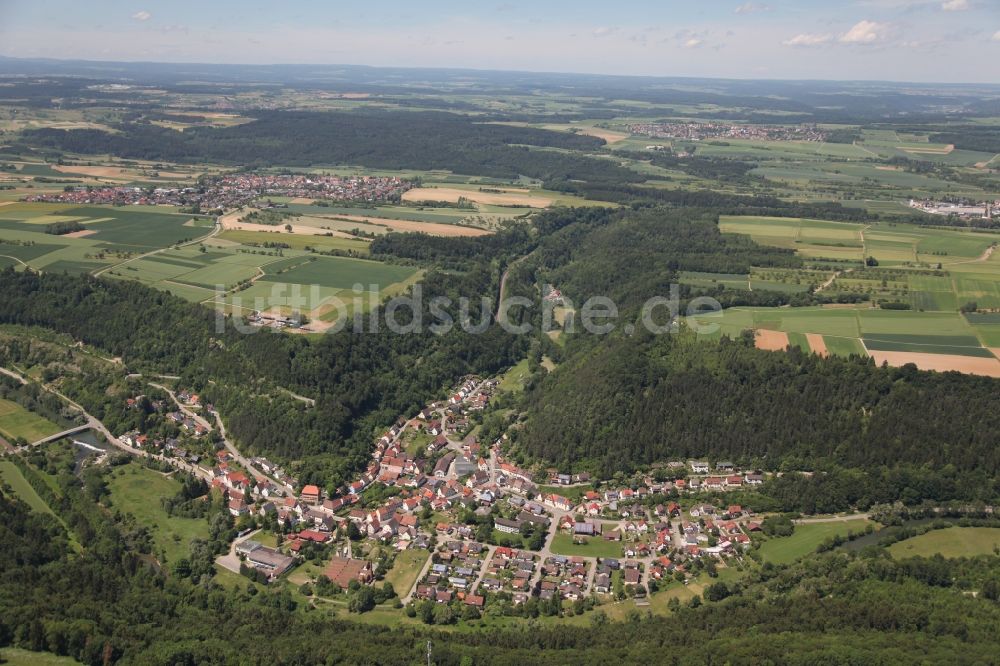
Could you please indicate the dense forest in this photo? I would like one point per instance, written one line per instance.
(630, 256)
(386, 140)
(641, 399)
(360, 382)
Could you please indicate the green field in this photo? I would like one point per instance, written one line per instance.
(513, 380)
(562, 544)
(805, 540)
(963, 345)
(12, 476)
(296, 241)
(338, 273)
(114, 233)
(16, 421)
(405, 570)
(949, 542)
(138, 491)
(843, 346)
(308, 282)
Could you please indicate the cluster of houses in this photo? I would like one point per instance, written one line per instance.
(237, 190)
(510, 570)
(701, 131)
(565, 577)
(455, 570)
(631, 573)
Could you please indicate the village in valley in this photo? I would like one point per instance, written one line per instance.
(455, 522)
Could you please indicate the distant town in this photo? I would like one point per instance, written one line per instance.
(701, 131)
(235, 190)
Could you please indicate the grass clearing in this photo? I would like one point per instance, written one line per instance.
(16, 421)
(137, 490)
(513, 380)
(562, 544)
(12, 476)
(405, 569)
(19, 657)
(949, 542)
(806, 539)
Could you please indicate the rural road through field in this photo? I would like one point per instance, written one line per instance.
(216, 228)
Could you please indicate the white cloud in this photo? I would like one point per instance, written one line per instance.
(807, 39)
(604, 31)
(996, 36)
(693, 43)
(865, 32)
(142, 16)
(955, 5)
(751, 7)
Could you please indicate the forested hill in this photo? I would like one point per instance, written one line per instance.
(360, 382)
(636, 400)
(630, 256)
(386, 140)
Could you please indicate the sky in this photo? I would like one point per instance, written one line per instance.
(894, 40)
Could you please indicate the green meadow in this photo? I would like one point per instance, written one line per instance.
(806, 538)
(12, 476)
(949, 542)
(138, 491)
(16, 421)
(111, 233)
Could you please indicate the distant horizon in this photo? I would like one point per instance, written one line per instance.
(483, 70)
(915, 41)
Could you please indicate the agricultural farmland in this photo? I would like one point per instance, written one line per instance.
(947, 341)
(110, 234)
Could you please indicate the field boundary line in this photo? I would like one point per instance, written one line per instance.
(216, 229)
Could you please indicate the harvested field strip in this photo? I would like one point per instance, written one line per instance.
(987, 367)
(771, 340)
(817, 344)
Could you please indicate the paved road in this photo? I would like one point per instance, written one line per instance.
(94, 424)
(482, 570)
(225, 439)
